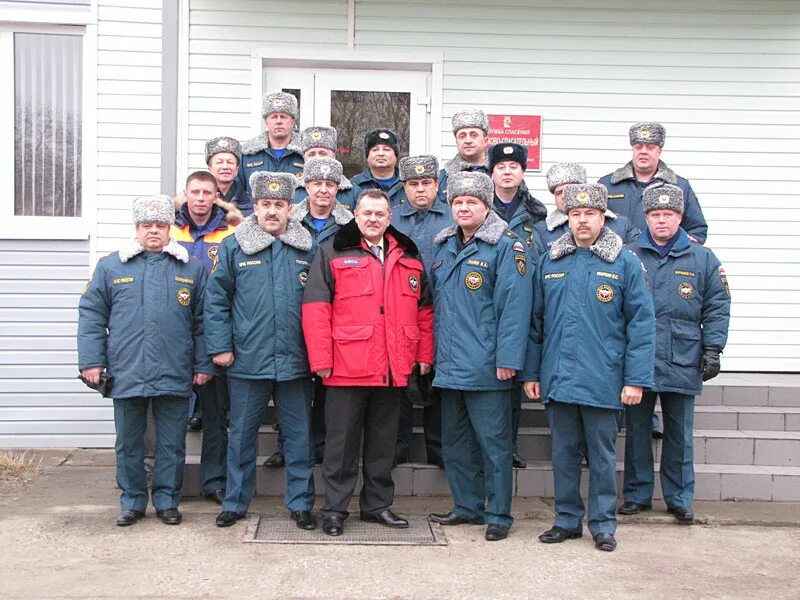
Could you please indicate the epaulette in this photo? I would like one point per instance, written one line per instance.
(511, 234)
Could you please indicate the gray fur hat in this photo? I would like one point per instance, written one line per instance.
(663, 197)
(322, 168)
(470, 118)
(648, 133)
(561, 173)
(221, 144)
(419, 167)
(153, 209)
(279, 102)
(273, 186)
(470, 183)
(585, 195)
(318, 137)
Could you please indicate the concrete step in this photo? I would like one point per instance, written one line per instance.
(712, 481)
(713, 446)
(752, 389)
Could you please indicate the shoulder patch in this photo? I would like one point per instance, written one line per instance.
(518, 246)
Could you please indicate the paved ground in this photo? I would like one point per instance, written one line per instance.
(57, 540)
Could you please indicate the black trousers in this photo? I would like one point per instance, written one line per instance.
(432, 424)
(356, 415)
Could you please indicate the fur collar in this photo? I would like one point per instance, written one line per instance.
(252, 239)
(133, 248)
(457, 164)
(664, 173)
(607, 246)
(341, 215)
(349, 236)
(261, 142)
(345, 184)
(490, 231)
(557, 218)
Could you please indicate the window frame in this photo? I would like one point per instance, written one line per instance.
(17, 227)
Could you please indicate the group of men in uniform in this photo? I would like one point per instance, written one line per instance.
(328, 296)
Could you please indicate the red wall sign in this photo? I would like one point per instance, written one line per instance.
(521, 129)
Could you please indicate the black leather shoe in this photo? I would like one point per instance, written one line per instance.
(304, 519)
(227, 518)
(518, 461)
(170, 516)
(556, 535)
(129, 517)
(195, 424)
(386, 518)
(605, 542)
(683, 514)
(451, 518)
(633, 508)
(496, 532)
(275, 461)
(217, 496)
(657, 433)
(332, 525)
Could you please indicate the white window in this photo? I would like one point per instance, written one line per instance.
(42, 106)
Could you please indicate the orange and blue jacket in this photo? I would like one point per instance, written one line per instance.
(202, 242)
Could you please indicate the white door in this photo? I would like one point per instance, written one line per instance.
(355, 101)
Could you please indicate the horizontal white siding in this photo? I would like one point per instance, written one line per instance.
(723, 76)
(42, 403)
(128, 113)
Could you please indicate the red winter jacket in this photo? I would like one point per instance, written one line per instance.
(369, 322)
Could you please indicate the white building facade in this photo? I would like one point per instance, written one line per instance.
(153, 79)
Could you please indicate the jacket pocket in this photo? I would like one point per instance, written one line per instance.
(687, 346)
(412, 336)
(353, 277)
(351, 351)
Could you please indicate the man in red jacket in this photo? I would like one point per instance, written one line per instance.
(367, 320)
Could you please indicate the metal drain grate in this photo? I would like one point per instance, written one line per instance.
(282, 530)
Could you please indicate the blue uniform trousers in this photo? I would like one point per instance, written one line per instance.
(677, 451)
(516, 414)
(317, 421)
(575, 429)
(248, 403)
(213, 398)
(476, 447)
(130, 421)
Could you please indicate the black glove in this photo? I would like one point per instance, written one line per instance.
(105, 387)
(710, 363)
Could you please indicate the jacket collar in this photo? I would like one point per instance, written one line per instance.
(405, 209)
(252, 239)
(215, 221)
(557, 218)
(349, 236)
(456, 164)
(261, 142)
(530, 204)
(664, 173)
(490, 231)
(340, 214)
(132, 248)
(607, 246)
(682, 243)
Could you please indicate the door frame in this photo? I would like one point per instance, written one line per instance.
(336, 58)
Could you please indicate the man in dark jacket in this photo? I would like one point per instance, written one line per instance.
(516, 206)
(382, 149)
(471, 130)
(421, 217)
(253, 318)
(590, 352)
(200, 227)
(626, 184)
(278, 148)
(141, 321)
(693, 304)
(224, 158)
(367, 320)
(481, 284)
